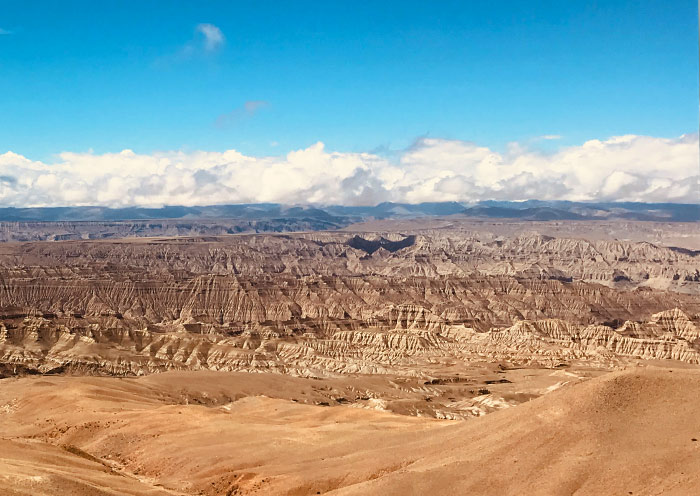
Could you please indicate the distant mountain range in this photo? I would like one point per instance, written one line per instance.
(339, 216)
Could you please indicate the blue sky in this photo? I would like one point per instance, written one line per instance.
(358, 76)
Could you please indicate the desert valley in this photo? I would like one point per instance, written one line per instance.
(394, 356)
(398, 248)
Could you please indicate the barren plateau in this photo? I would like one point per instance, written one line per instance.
(448, 355)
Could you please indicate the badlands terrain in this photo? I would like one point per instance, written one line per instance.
(392, 356)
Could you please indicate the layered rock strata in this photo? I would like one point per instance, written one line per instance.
(322, 303)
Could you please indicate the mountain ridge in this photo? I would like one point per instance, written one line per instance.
(340, 214)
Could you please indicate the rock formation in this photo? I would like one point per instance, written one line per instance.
(319, 303)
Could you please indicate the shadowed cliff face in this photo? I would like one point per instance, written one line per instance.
(326, 303)
(370, 246)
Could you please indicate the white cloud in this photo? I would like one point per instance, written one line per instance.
(550, 137)
(213, 37)
(625, 168)
(206, 41)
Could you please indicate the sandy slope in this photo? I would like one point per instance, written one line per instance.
(629, 432)
(29, 468)
(624, 432)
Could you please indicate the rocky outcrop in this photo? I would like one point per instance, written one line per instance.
(318, 303)
(42, 345)
(669, 335)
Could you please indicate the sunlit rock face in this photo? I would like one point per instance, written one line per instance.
(343, 302)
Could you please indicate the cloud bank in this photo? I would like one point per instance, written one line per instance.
(622, 168)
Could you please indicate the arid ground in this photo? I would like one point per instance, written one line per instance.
(443, 356)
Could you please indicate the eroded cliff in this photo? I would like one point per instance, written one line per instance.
(325, 303)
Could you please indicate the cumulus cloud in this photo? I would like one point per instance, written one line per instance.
(249, 109)
(624, 168)
(213, 37)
